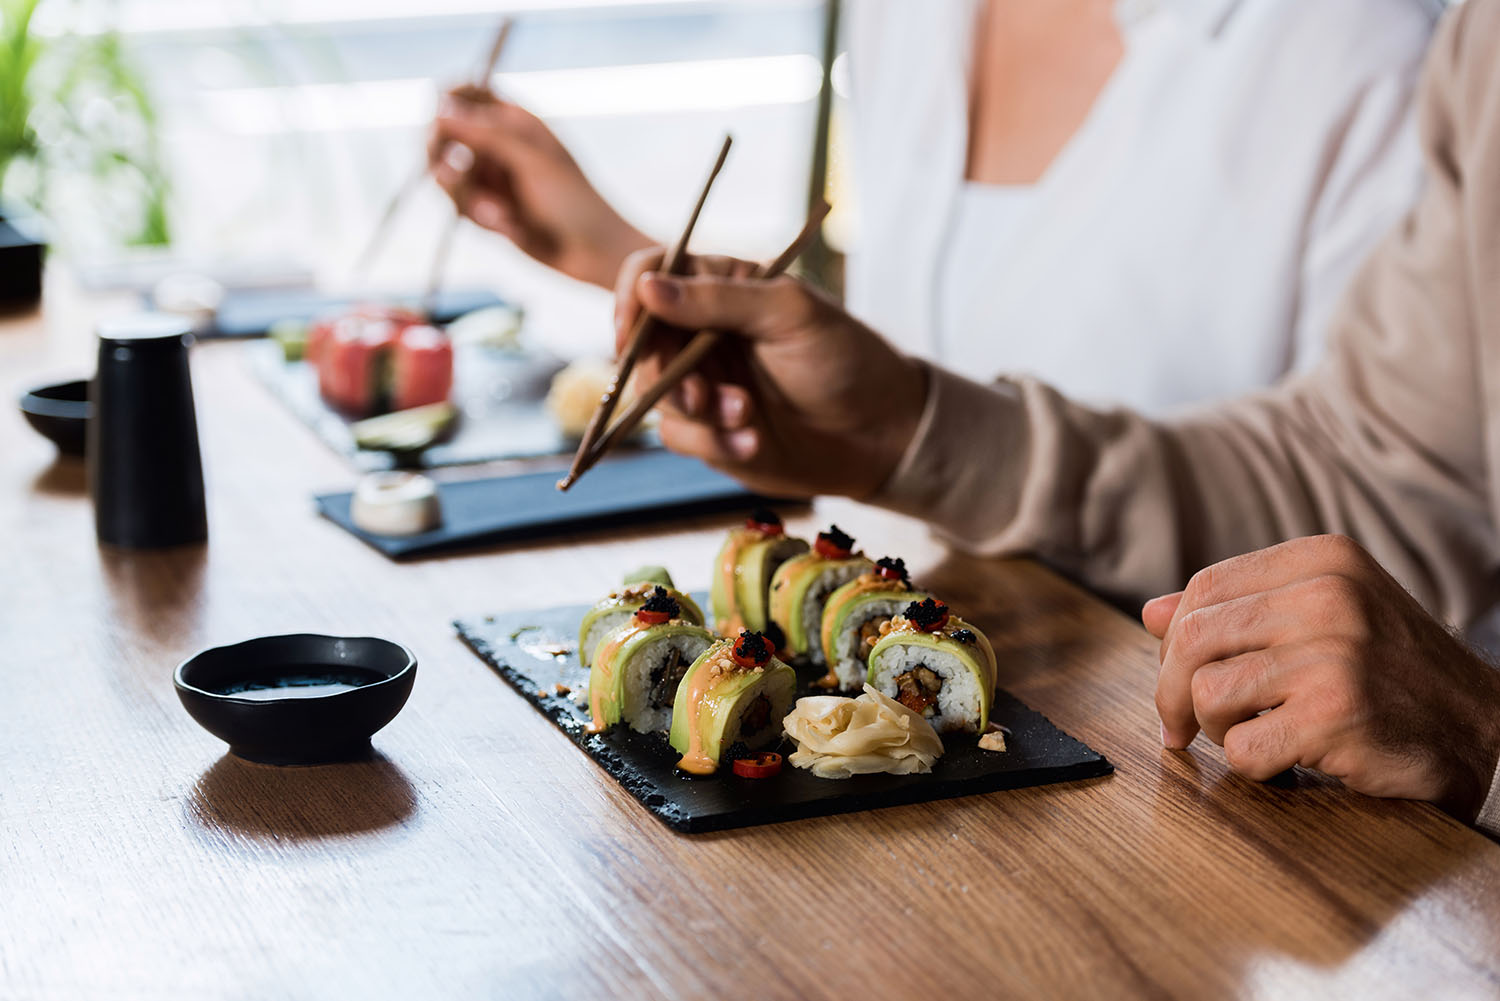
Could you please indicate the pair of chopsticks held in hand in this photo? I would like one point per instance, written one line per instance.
(478, 91)
(601, 435)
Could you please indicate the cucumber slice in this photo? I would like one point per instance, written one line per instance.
(404, 430)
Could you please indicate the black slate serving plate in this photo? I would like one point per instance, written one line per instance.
(252, 312)
(536, 651)
(624, 490)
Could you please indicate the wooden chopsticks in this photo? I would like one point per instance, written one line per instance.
(414, 181)
(645, 324)
(685, 361)
(445, 242)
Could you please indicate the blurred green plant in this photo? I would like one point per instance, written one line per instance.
(77, 125)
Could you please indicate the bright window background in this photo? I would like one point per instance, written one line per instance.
(288, 123)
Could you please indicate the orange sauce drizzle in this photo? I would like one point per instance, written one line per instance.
(604, 664)
(696, 761)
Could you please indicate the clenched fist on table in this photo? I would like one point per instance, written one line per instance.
(1308, 653)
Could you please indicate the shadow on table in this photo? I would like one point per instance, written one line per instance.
(66, 476)
(310, 802)
(156, 593)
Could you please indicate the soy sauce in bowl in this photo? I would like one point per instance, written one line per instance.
(297, 699)
(299, 681)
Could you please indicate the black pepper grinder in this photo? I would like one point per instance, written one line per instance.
(145, 470)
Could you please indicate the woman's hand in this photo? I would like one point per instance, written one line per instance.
(521, 182)
(800, 399)
(1309, 653)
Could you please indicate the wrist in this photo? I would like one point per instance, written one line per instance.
(1489, 761)
(906, 415)
(610, 253)
(1478, 746)
(889, 438)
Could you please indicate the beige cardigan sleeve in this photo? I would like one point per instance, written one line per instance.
(1382, 441)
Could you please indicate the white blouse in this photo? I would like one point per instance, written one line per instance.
(1190, 241)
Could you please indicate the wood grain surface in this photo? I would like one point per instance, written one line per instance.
(479, 854)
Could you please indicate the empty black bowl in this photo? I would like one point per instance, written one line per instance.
(59, 413)
(297, 700)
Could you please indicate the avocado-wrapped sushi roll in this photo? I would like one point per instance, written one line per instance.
(936, 664)
(743, 571)
(853, 616)
(637, 667)
(616, 608)
(735, 692)
(802, 585)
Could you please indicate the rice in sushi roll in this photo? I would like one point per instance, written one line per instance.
(852, 619)
(735, 692)
(938, 665)
(616, 608)
(743, 571)
(802, 585)
(637, 667)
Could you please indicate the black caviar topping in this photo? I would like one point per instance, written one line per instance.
(765, 516)
(963, 636)
(926, 613)
(836, 537)
(894, 566)
(739, 749)
(754, 647)
(661, 601)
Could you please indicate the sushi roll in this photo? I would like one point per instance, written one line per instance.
(616, 608)
(743, 571)
(853, 617)
(735, 692)
(802, 585)
(938, 665)
(637, 667)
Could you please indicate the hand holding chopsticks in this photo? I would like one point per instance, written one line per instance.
(478, 90)
(695, 351)
(644, 326)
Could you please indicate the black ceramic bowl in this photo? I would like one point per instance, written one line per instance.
(60, 413)
(300, 699)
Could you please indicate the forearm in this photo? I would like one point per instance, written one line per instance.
(1134, 506)
(610, 249)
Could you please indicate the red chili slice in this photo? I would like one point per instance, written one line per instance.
(928, 615)
(829, 551)
(751, 650)
(652, 618)
(766, 528)
(760, 765)
(888, 573)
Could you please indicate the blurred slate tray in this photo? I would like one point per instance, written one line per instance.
(251, 312)
(499, 394)
(534, 652)
(629, 489)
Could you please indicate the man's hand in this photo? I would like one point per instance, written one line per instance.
(800, 398)
(521, 182)
(1309, 653)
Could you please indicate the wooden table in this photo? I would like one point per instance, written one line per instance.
(480, 854)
